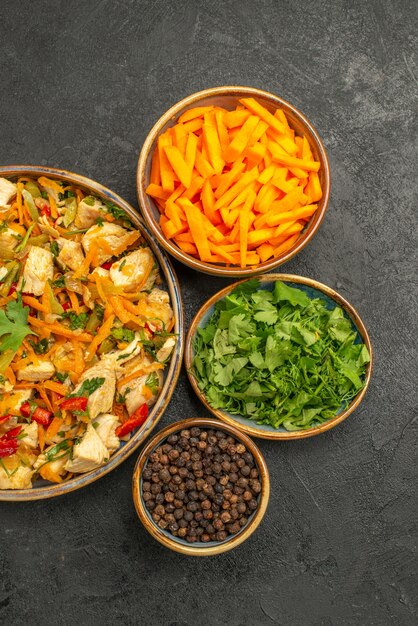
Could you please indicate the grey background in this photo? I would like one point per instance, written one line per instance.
(81, 84)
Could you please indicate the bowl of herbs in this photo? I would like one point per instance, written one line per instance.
(280, 356)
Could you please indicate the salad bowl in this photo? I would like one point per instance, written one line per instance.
(42, 489)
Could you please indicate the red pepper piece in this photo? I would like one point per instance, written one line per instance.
(8, 448)
(66, 306)
(41, 416)
(46, 210)
(74, 404)
(133, 422)
(9, 442)
(4, 418)
(12, 289)
(10, 434)
(107, 265)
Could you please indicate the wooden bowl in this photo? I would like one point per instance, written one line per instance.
(315, 289)
(228, 97)
(43, 489)
(199, 548)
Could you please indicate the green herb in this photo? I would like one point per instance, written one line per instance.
(89, 200)
(54, 453)
(88, 387)
(99, 221)
(118, 214)
(122, 265)
(121, 397)
(13, 325)
(59, 282)
(54, 248)
(41, 347)
(44, 194)
(75, 232)
(279, 357)
(61, 377)
(76, 321)
(8, 474)
(24, 241)
(61, 433)
(21, 436)
(66, 194)
(123, 334)
(153, 383)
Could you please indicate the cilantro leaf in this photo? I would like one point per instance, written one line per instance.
(13, 325)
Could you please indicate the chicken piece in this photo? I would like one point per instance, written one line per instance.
(71, 253)
(89, 454)
(156, 308)
(20, 479)
(118, 358)
(101, 400)
(8, 239)
(137, 391)
(5, 386)
(132, 271)
(166, 349)
(87, 213)
(39, 268)
(34, 373)
(105, 426)
(43, 223)
(55, 469)
(100, 271)
(7, 191)
(109, 240)
(30, 432)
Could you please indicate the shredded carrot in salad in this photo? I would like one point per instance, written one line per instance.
(85, 330)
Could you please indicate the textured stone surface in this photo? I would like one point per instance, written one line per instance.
(82, 83)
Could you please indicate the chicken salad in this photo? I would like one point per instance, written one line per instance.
(85, 331)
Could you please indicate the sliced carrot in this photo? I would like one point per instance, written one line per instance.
(195, 221)
(265, 251)
(222, 130)
(257, 109)
(155, 175)
(286, 159)
(191, 114)
(180, 138)
(241, 139)
(229, 178)
(41, 437)
(156, 191)
(244, 223)
(179, 165)
(166, 172)
(190, 152)
(54, 427)
(193, 126)
(233, 119)
(290, 216)
(212, 144)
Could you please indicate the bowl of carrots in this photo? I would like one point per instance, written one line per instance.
(233, 181)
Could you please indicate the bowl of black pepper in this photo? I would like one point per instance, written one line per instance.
(201, 487)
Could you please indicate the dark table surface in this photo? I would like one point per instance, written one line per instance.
(81, 84)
